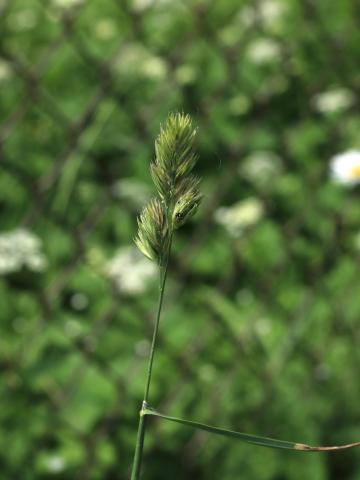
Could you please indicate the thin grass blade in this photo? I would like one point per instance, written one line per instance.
(254, 439)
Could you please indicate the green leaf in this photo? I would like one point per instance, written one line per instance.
(246, 437)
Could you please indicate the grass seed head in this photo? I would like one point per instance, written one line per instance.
(177, 187)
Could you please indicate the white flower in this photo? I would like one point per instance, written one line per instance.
(131, 56)
(56, 464)
(36, 262)
(333, 100)
(130, 271)
(263, 50)
(154, 67)
(79, 301)
(21, 248)
(261, 167)
(67, 3)
(25, 19)
(345, 167)
(240, 216)
(263, 326)
(271, 13)
(136, 60)
(239, 104)
(73, 328)
(185, 74)
(141, 5)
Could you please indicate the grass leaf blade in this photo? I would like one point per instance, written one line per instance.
(263, 441)
(254, 439)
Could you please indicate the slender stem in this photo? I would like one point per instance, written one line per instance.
(163, 272)
(135, 475)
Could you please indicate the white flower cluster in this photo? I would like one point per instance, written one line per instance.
(345, 168)
(141, 5)
(136, 60)
(186, 74)
(261, 167)
(21, 248)
(271, 12)
(64, 4)
(334, 100)
(55, 464)
(263, 50)
(130, 271)
(240, 216)
(22, 20)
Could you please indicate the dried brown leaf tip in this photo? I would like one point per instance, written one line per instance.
(308, 448)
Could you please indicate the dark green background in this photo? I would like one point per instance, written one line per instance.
(261, 330)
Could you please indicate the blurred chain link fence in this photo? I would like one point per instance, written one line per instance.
(274, 87)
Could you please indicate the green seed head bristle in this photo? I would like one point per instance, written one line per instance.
(153, 231)
(186, 204)
(178, 190)
(175, 157)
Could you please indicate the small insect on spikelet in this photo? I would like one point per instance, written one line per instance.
(188, 198)
(177, 187)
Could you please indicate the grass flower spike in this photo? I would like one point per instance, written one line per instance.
(177, 187)
(177, 201)
(175, 157)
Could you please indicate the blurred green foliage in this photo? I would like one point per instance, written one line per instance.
(261, 325)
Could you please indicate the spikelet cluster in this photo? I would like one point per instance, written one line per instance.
(178, 189)
(153, 231)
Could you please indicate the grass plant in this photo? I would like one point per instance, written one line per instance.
(178, 198)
